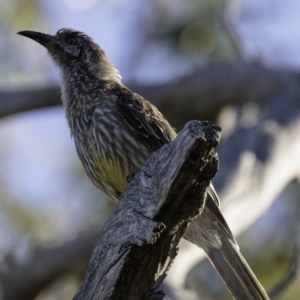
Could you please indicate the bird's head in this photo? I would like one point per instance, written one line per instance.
(69, 48)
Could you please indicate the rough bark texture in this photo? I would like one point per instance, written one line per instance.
(138, 243)
(257, 161)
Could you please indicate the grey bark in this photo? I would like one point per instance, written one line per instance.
(139, 241)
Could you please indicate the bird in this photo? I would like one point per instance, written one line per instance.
(115, 130)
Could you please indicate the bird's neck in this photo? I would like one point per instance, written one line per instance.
(79, 82)
(81, 91)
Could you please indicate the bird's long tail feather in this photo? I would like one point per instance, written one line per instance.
(211, 232)
(235, 272)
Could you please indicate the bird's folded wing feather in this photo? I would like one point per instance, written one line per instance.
(145, 121)
(148, 124)
(213, 205)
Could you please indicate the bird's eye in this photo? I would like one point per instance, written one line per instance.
(71, 41)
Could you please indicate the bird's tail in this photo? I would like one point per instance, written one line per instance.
(235, 272)
(211, 232)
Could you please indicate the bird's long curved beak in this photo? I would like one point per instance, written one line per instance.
(44, 39)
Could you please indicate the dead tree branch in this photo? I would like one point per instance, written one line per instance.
(45, 265)
(138, 243)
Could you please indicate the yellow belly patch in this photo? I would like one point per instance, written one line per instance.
(112, 176)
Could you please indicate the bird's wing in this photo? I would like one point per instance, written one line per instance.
(149, 125)
(144, 119)
(213, 205)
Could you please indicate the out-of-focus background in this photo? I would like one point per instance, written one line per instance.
(233, 62)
